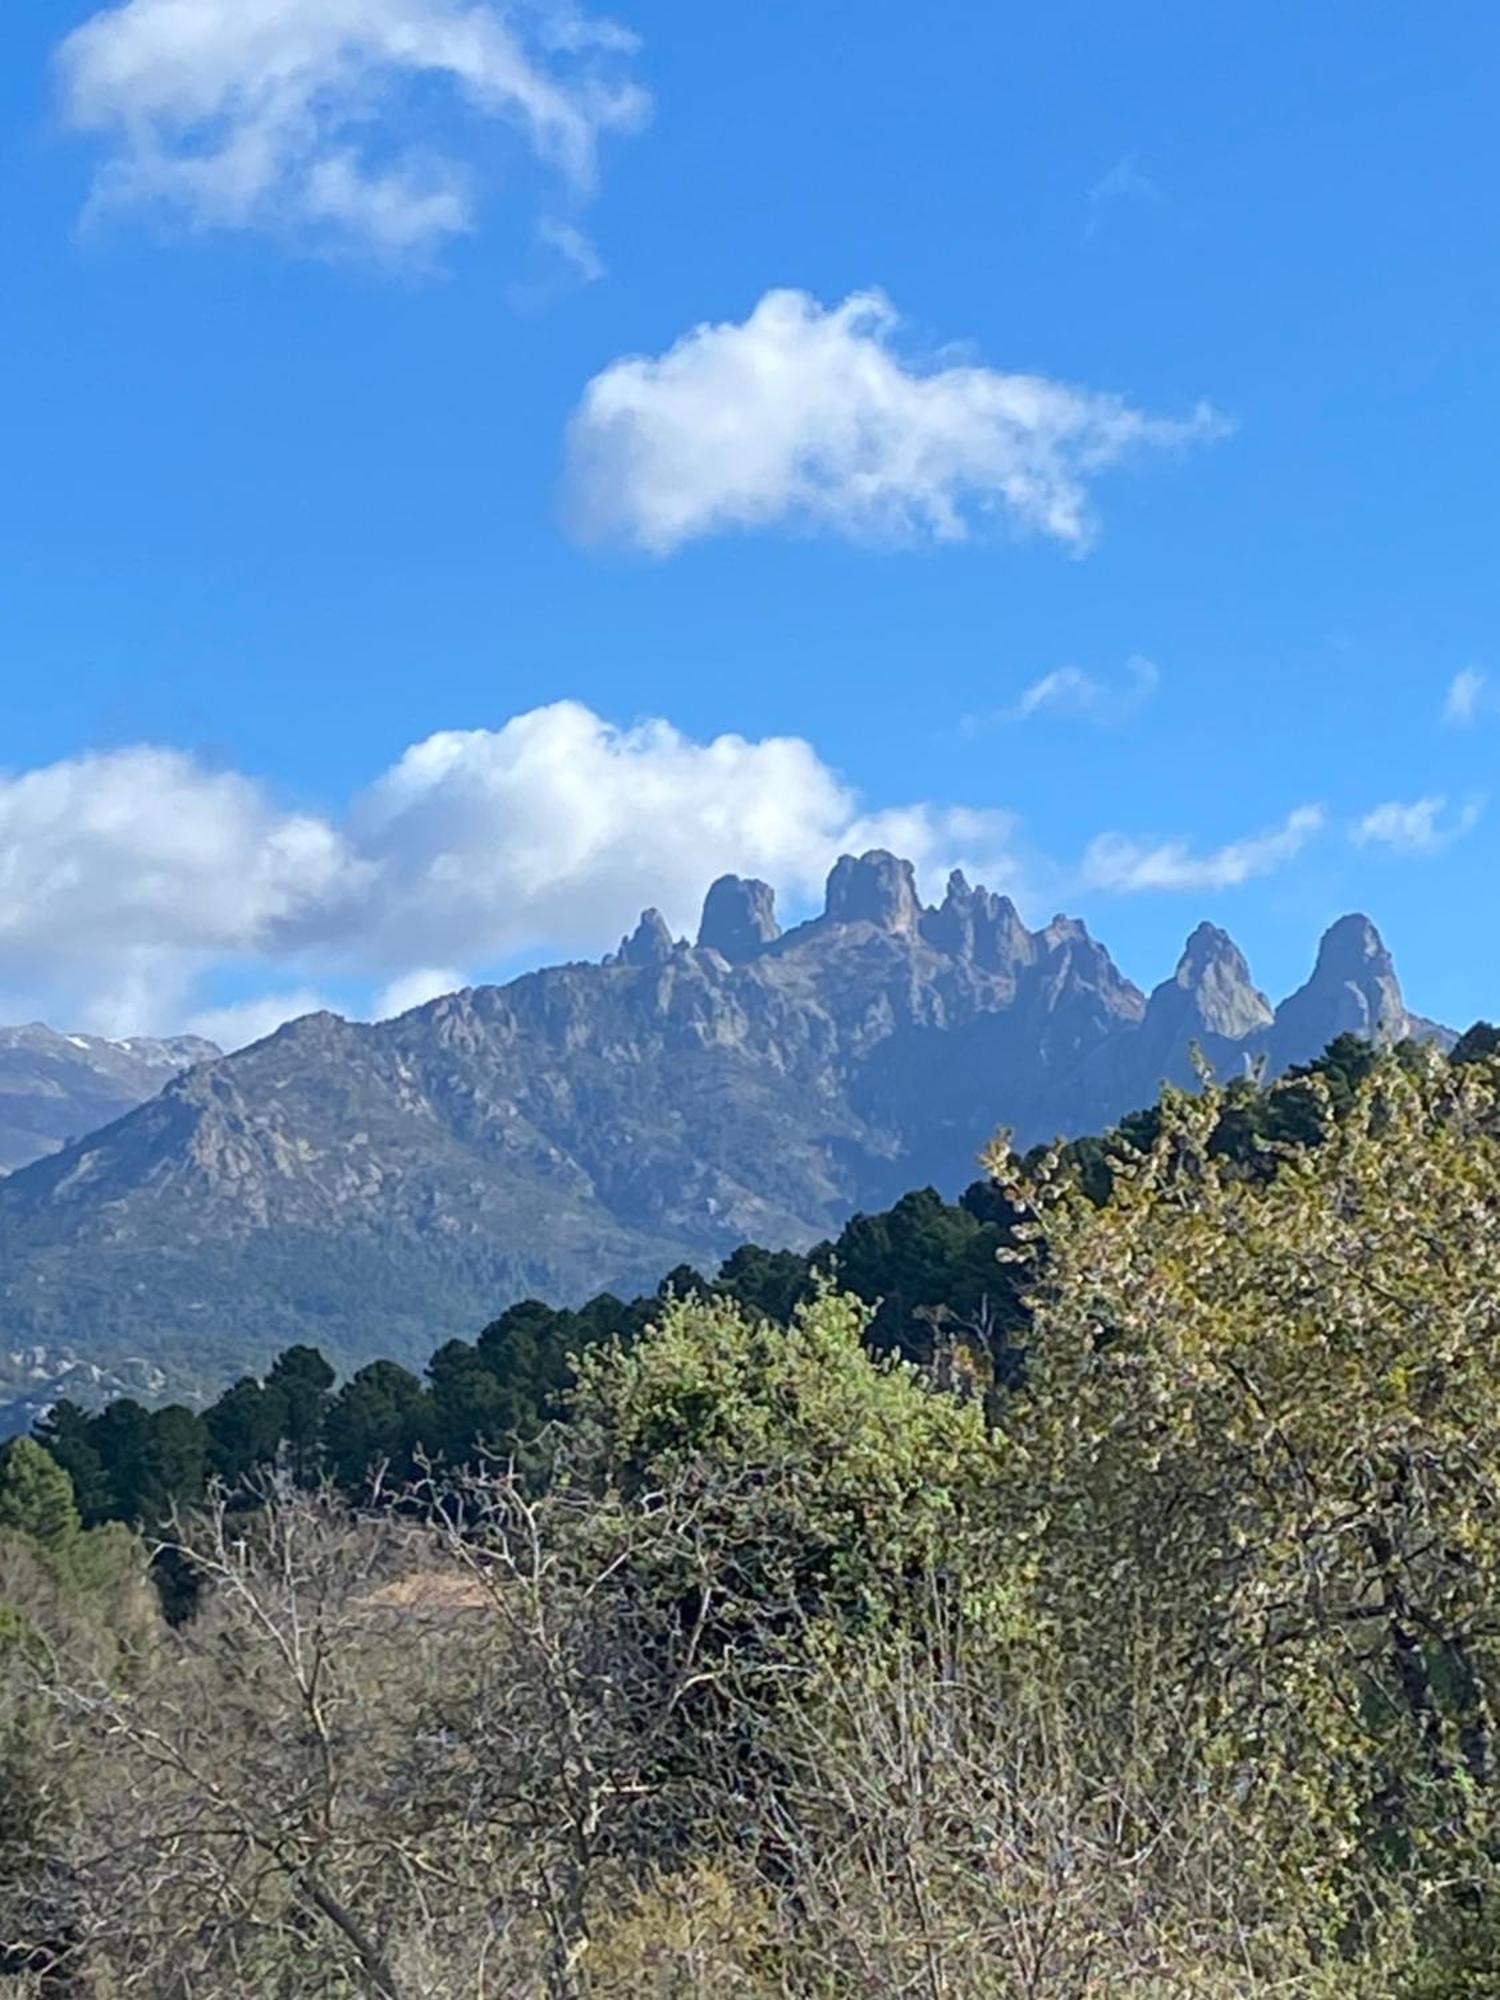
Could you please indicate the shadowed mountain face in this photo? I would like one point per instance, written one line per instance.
(378, 1188)
(54, 1088)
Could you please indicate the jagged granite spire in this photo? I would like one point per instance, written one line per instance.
(650, 943)
(877, 888)
(1211, 992)
(1353, 990)
(977, 924)
(739, 918)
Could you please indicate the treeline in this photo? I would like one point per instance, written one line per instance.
(1172, 1669)
(925, 1256)
(931, 1272)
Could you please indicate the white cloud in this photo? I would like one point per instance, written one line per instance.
(1467, 698)
(1077, 696)
(242, 1022)
(557, 828)
(415, 989)
(132, 881)
(809, 415)
(316, 117)
(1422, 827)
(123, 875)
(575, 249)
(126, 879)
(1115, 861)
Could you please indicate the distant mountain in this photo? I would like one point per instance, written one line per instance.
(375, 1189)
(55, 1088)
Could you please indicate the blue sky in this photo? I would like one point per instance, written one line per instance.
(295, 332)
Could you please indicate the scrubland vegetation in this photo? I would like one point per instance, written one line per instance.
(1122, 1623)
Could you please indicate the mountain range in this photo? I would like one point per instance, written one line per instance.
(55, 1088)
(377, 1188)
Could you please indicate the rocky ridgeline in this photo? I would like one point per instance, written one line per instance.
(54, 1087)
(377, 1188)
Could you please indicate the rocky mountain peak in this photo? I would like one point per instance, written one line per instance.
(877, 888)
(1352, 948)
(1223, 999)
(739, 918)
(585, 1128)
(975, 923)
(1353, 990)
(650, 943)
(1206, 948)
(1064, 930)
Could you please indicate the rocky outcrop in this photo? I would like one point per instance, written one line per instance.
(739, 918)
(1353, 991)
(979, 925)
(650, 943)
(1211, 992)
(875, 889)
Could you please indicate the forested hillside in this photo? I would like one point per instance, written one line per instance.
(1137, 1640)
(945, 1286)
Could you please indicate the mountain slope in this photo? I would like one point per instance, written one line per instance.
(54, 1088)
(377, 1188)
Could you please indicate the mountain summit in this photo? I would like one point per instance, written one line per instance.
(1353, 991)
(376, 1188)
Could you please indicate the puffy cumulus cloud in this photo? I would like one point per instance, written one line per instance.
(122, 875)
(316, 116)
(558, 827)
(809, 415)
(1114, 861)
(1424, 826)
(133, 883)
(126, 878)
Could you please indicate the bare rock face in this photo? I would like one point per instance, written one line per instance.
(375, 1189)
(1353, 991)
(650, 943)
(1211, 992)
(979, 925)
(875, 889)
(739, 918)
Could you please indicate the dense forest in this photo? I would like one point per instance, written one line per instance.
(1084, 1589)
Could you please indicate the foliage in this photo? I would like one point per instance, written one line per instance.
(1262, 1439)
(828, 1483)
(1171, 1671)
(36, 1497)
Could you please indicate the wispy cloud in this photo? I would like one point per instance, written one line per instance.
(1125, 182)
(316, 119)
(1076, 696)
(570, 243)
(1424, 826)
(1468, 698)
(1118, 862)
(808, 416)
